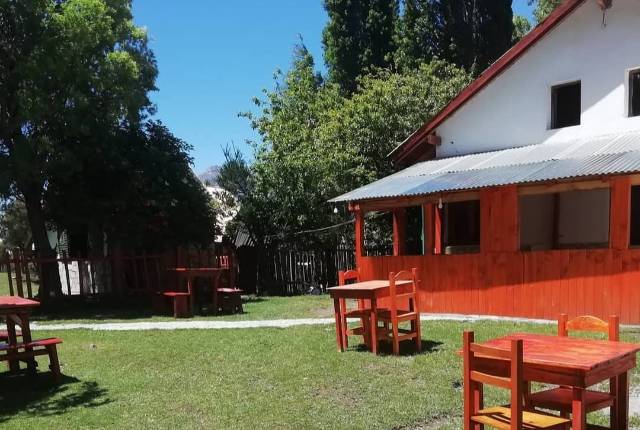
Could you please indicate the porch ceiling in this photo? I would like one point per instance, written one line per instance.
(599, 155)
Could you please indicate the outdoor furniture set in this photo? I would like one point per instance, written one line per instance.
(399, 297)
(571, 366)
(183, 303)
(16, 311)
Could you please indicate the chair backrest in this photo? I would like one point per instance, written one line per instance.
(474, 377)
(588, 323)
(348, 277)
(404, 275)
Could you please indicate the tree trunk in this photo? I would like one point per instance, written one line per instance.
(50, 285)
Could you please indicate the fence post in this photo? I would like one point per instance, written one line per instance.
(18, 268)
(8, 260)
(65, 261)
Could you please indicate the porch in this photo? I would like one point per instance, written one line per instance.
(566, 243)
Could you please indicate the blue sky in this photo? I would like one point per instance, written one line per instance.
(214, 56)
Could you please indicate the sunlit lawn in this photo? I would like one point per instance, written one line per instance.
(247, 379)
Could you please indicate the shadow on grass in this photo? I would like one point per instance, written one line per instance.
(407, 347)
(40, 396)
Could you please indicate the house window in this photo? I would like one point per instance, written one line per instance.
(634, 93)
(565, 105)
(635, 216)
(567, 220)
(378, 234)
(461, 227)
(414, 236)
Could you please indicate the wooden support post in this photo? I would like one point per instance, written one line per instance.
(359, 235)
(399, 231)
(620, 213)
(18, 266)
(65, 261)
(499, 220)
(437, 230)
(428, 244)
(10, 280)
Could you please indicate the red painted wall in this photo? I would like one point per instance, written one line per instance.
(501, 280)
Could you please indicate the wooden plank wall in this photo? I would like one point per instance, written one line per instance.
(538, 284)
(501, 280)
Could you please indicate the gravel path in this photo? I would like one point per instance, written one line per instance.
(218, 325)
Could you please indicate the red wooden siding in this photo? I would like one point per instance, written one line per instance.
(539, 284)
(502, 280)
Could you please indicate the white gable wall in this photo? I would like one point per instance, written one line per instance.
(515, 109)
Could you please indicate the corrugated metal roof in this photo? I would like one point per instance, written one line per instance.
(600, 155)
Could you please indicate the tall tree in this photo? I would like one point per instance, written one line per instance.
(359, 36)
(416, 36)
(63, 64)
(543, 8)
(474, 33)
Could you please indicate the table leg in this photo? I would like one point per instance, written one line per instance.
(14, 365)
(613, 411)
(338, 317)
(216, 285)
(622, 414)
(26, 338)
(478, 402)
(373, 318)
(578, 410)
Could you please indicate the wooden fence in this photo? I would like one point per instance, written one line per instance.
(111, 275)
(290, 271)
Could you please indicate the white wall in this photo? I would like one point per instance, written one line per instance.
(515, 109)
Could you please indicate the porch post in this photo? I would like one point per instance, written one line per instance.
(399, 231)
(359, 234)
(431, 229)
(499, 220)
(620, 212)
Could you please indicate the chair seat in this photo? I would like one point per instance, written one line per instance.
(384, 315)
(174, 294)
(229, 290)
(499, 417)
(559, 399)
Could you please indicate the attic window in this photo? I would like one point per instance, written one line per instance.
(634, 93)
(565, 105)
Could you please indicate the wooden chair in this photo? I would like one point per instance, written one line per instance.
(362, 311)
(479, 358)
(560, 398)
(393, 317)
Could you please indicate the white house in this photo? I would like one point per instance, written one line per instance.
(529, 179)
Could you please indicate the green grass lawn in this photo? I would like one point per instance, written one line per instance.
(255, 308)
(4, 284)
(247, 379)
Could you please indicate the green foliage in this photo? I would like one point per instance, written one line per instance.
(543, 8)
(14, 226)
(473, 34)
(358, 36)
(416, 35)
(317, 144)
(140, 190)
(521, 26)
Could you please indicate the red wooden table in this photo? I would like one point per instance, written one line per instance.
(367, 290)
(191, 273)
(16, 312)
(577, 363)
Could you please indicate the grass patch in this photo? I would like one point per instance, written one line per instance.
(255, 308)
(248, 379)
(4, 284)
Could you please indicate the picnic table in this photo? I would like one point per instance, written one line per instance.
(16, 311)
(367, 290)
(577, 363)
(190, 274)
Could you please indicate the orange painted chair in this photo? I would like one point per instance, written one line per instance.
(512, 417)
(362, 311)
(560, 398)
(392, 317)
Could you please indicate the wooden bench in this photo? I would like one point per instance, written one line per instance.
(181, 303)
(25, 351)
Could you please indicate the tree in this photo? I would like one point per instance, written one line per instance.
(416, 37)
(521, 26)
(14, 227)
(317, 145)
(473, 34)
(359, 36)
(543, 8)
(68, 70)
